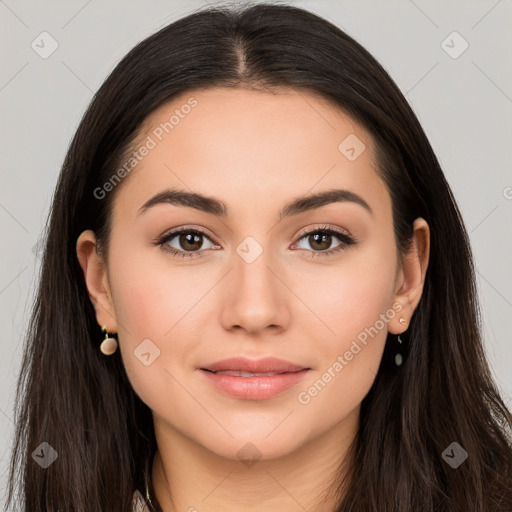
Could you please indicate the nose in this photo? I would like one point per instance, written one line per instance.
(255, 298)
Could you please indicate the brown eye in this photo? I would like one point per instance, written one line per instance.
(190, 241)
(185, 242)
(321, 240)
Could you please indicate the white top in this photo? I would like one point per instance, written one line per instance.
(139, 503)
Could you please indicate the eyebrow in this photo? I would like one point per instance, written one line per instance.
(220, 209)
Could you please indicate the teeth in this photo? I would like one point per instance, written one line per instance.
(246, 374)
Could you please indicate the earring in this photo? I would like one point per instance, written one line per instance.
(109, 344)
(398, 356)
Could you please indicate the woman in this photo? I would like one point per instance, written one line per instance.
(257, 291)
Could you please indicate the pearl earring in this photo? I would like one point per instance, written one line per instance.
(108, 345)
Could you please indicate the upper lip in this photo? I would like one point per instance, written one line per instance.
(264, 365)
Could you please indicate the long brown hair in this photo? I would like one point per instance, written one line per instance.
(82, 404)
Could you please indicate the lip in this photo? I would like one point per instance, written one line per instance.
(254, 388)
(257, 387)
(264, 365)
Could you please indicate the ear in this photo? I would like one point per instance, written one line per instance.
(96, 280)
(411, 276)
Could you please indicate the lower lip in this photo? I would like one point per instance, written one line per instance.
(254, 388)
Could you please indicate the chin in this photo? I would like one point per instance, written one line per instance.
(261, 442)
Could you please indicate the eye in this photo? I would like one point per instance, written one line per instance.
(188, 243)
(322, 238)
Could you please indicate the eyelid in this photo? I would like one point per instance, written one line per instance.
(177, 230)
(323, 227)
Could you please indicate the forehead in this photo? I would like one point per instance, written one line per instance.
(251, 148)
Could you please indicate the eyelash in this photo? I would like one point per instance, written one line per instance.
(346, 240)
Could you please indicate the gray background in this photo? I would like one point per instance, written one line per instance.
(463, 103)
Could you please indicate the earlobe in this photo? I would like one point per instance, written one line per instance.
(96, 280)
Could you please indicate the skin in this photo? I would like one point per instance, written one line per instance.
(255, 151)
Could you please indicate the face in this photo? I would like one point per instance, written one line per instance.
(317, 286)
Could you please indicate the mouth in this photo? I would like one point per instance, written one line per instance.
(253, 385)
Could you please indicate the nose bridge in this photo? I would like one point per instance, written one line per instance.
(252, 268)
(255, 296)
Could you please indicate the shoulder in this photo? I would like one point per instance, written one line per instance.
(138, 503)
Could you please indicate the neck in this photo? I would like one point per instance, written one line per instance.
(188, 477)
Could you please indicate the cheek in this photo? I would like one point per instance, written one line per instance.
(157, 312)
(152, 297)
(345, 299)
(352, 305)
(350, 358)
